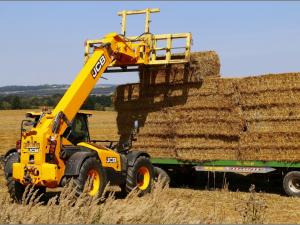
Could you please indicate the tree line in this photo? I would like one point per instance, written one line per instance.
(93, 102)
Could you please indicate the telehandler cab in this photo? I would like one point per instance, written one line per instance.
(55, 146)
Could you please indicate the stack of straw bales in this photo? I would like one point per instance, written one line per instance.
(271, 108)
(190, 113)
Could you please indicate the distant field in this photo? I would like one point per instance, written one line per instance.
(10, 128)
(47, 90)
(173, 205)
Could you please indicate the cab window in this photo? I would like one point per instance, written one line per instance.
(79, 131)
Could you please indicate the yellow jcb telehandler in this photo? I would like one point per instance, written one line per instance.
(55, 146)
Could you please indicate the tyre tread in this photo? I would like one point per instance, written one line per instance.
(130, 178)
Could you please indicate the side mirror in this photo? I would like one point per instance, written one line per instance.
(136, 125)
(135, 129)
(128, 143)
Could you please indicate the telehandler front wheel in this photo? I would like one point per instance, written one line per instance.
(91, 170)
(140, 176)
(15, 189)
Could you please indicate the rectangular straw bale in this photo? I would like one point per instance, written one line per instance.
(131, 92)
(155, 141)
(202, 65)
(270, 82)
(210, 128)
(167, 121)
(159, 130)
(161, 147)
(270, 154)
(162, 101)
(282, 112)
(190, 114)
(206, 64)
(206, 142)
(273, 126)
(200, 154)
(211, 86)
(157, 152)
(127, 92)
(271, 139)
(152, 98)
(150, 104)
(210, 101)
(270, 98)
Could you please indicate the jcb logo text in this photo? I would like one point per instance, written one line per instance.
(111, 160)
(98, 66)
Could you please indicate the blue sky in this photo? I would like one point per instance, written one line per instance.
(42, 42)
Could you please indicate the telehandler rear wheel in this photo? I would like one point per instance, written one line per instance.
(91, 170)
(15, 189)
(140, 176)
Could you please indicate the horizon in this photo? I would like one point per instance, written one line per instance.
(52, 85)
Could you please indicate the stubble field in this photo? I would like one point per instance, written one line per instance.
(177, 204)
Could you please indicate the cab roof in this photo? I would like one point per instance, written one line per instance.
(35, 114)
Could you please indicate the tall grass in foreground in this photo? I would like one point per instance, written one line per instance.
(156, 207)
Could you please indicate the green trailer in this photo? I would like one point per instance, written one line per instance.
(287, 172)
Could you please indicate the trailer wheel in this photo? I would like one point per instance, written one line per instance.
(161, 174)
(291, 183)
(91, 170)
(140, 176)
(15, 189)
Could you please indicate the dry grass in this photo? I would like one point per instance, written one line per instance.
(162, 206)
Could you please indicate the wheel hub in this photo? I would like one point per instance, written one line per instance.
(294, 185)
(94, 179)
(143, 178)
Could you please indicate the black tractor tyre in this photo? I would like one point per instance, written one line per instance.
(291, 183)
(15, 189)
(90, 164)
(123, 192)
(11, 158)
(133, 175)
(162, 175)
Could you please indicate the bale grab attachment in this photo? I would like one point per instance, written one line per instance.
(147, 46)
